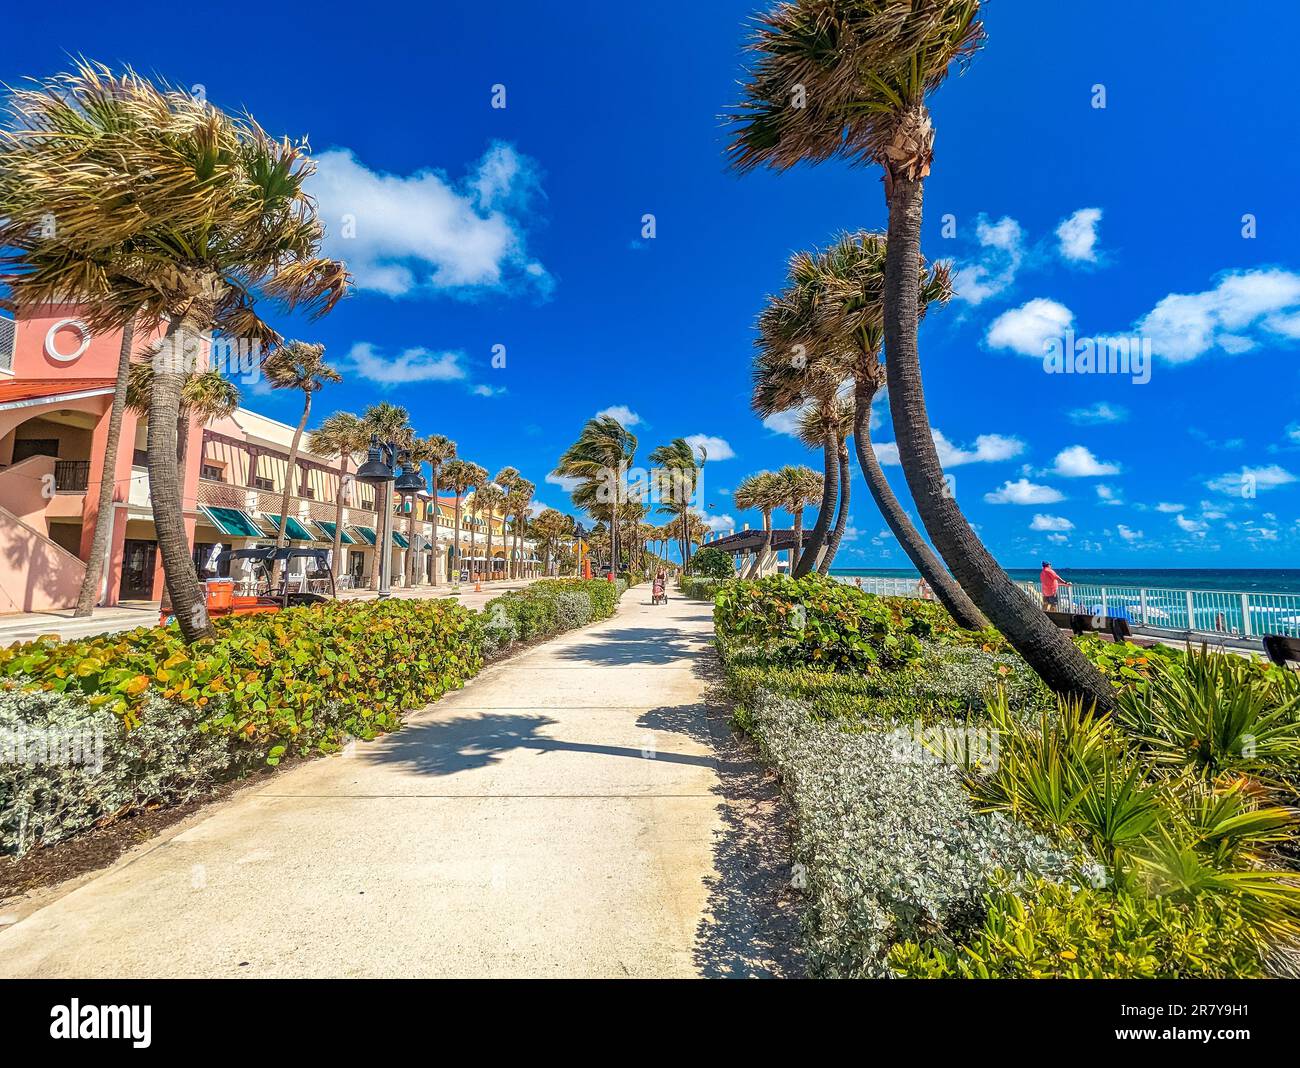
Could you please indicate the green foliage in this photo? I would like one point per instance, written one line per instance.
(814, 620)
(545, 608)
(1124, 663)
(1050, 930)
(267, 676)
(709, 562)
(700, 589)
(1218, 715)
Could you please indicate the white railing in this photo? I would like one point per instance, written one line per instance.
(1179, 611)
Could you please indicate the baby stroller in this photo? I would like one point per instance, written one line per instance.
(658, 594)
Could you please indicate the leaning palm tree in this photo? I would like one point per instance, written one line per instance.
(679, 470)
(390, 423)
(866, 68)
(817, 424)
(164, 209)
(296, 365)
(848, 335)
(600, 458)
(802, 486)
(762, 492)
(88, 596)
(343, 435)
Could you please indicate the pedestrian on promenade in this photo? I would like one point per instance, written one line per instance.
(1051, 583)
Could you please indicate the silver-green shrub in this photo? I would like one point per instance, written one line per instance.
(51, 790)
(886, 848)
(572, 609)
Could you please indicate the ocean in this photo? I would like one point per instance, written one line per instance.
(1229, 580)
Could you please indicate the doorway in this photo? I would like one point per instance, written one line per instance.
(138, 561)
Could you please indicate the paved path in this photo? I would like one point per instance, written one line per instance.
(575, 811)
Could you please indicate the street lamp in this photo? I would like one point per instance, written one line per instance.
(377, 471)
(579, 532)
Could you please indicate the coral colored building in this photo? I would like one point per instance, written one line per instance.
(56, 393)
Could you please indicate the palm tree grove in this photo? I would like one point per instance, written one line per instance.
(482, 524)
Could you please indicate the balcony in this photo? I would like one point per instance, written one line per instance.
(71, 476)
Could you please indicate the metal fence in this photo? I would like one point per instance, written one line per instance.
(1210, 612)
(8, 339)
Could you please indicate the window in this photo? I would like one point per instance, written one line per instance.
(262, 482)
(211, 473)
(26, 449)
(140, 458)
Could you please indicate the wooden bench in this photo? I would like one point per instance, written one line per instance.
(1083, 623)
(1283, 651)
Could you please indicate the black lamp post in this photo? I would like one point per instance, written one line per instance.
(378, 471)
(579, 532)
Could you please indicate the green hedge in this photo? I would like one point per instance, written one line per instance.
(700, 589)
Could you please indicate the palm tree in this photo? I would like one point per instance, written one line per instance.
(492, 499)
(678, 469)
(519, 502)
(166, 210)
(296, 365)
(802, 486)
(343, 435)
(510, 480)
(88, 596)
(435, 450)
(762, 491)
(867, 68)
(390, 423)
(551, 528)
(784, 379)
(600, 458)
(205, 395)
(458, 475)
(831, 421)
(478, 478)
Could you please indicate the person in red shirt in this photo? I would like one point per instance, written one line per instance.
(1051, 584)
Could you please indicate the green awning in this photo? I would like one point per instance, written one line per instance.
(293, 529)
(367, 533)
(400, 540)
(232, 522)
(327, 532)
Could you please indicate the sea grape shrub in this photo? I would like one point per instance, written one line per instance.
(711, 563)
(814, 620)
(700, 589)
(545, 608)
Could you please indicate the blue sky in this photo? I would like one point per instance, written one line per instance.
(472, 228)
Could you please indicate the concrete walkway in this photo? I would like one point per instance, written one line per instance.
(576, 811)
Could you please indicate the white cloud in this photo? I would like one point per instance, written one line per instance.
(1078, 235)
(1107, 494)
(988, 448)
(1058, 539)
(1248, 480)
(1129, 534)
(1027, 329)
(713, 447)
(1098, 414)
(716, 523)
(407, 235)
(1078, 462)
(410, 365)
(1001, 254)
(1189, 526)
(563, 481)
(1022, 491)
(622, 413)
(1165, 506)
(1050, 522)
(1183, 326)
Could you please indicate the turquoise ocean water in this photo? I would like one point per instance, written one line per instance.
(1234, 580)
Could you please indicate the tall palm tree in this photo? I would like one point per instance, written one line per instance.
(764, 492)
(519, 502)
(205, 395)
(867, 68)
(435, 450)
(492, 499)
(509, 478)
(343, 435)
(679, 470)
(834, 421)
(390, 423)
(600, 458)
(88, 596)
(477, 478)
(200, 213)
(455, 475)
(302, 366)
(802, 486)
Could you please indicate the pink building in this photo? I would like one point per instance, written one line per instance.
(56, 392)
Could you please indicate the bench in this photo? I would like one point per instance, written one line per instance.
(1283, 651)
(1083, 623)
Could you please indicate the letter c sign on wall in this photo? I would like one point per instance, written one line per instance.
(51, 340)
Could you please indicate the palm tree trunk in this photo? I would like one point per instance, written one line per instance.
(336, 556)
(951, 596)
(797, 549)
(290, 474)
(830, 492)
(89, 594)
(456, 535)
(752, 571)
(1056, 659)
(166, 479)
(841, 521)
(437, 516)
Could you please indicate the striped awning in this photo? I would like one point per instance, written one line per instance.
(293, 529)
(400, 540)
(327, 532)
(368, 534)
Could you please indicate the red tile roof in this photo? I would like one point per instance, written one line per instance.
(35, 388)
